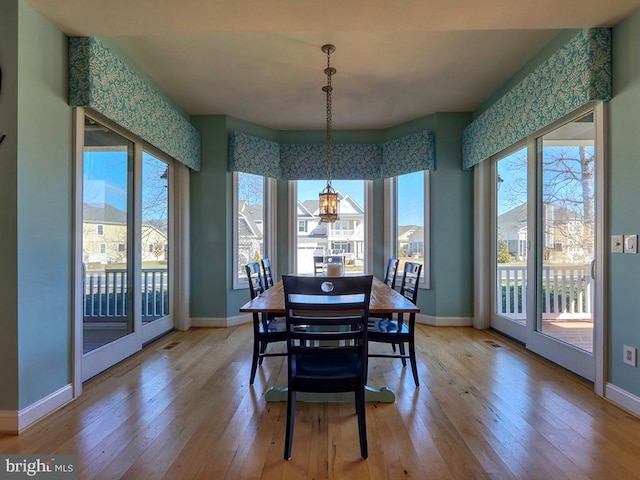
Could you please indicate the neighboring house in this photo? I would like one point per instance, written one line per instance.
(410, 241)
(104, 231)
(564, 236)
(342, 237)
(250, 233)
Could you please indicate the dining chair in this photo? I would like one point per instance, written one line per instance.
(391, 273)
(397, 331)
(268, 273)
(326, 342)
(266, 328)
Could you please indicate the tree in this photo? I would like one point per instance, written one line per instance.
(503, 253)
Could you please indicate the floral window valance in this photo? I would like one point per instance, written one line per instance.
(578, 73)
(100, 80)
(369, 161)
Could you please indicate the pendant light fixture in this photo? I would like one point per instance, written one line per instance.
(329, 204)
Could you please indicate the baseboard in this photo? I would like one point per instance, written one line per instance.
(221, 322)
(444, 321)
(622, 398)
(13, 422)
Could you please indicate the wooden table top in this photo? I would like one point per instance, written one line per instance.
(383, 300)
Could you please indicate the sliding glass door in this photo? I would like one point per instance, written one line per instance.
(125, 244)
(546, 242)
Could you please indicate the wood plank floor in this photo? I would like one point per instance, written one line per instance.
(485, 409)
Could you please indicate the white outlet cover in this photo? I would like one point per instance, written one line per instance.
(631, 244)
(616, 244)
(629, 355)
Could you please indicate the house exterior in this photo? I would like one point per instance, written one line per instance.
(563, 237)
(343, 237)
(104, 231)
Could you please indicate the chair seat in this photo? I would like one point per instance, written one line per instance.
(308, 373)
(275, 325)
(386, 326)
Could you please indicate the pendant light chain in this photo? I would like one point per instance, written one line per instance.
(329, 71)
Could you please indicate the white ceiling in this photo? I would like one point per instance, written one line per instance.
(397, 60)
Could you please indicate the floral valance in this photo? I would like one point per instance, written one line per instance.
(361, 161)
(100, 80)
(408, 154)
(255, 155)
(578, 73)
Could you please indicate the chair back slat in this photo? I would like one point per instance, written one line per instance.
(391, 273)
(256, 286)
(410, 281)
(268, 273)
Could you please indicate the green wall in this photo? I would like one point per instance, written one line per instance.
(450, 295)
(623, 318)
(36, 215)
(9, 203)
(44, 209)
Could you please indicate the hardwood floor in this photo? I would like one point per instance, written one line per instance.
(183, 408)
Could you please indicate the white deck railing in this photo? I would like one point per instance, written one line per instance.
(566, 292)
(106, 294)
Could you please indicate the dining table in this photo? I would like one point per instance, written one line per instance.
(384, 300)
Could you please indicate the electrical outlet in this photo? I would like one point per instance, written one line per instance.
(629, 355)
(631, 244)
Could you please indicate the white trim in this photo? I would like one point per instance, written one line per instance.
(78, 266)
(181, 253)
(368, 226)
(221, 322)
(292, 215)
(622, 398)
(13, 422)
(599, 317)
(483, 206)
(444, 321)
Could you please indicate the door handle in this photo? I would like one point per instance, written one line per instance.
(593, 269)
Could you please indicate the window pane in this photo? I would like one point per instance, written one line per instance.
(250, 191)
(410, 241)
(107, 160)
(344, 237)
(568, 233)
(155, 238)
(511, 235)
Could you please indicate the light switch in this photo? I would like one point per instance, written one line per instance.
(631, 244)
(616, 244)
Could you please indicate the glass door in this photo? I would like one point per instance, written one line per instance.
(511, 246)
(154, 231)
(126, 246)
(107, 317)
(545, 232)
(564, 326)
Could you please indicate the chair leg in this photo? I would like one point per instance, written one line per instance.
(412, 359)
(291, 413)
(402, 352)
(254, 361)
(362, 423)
(263, 348)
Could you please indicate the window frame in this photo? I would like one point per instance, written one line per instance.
(391, 225)
(239, 280)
